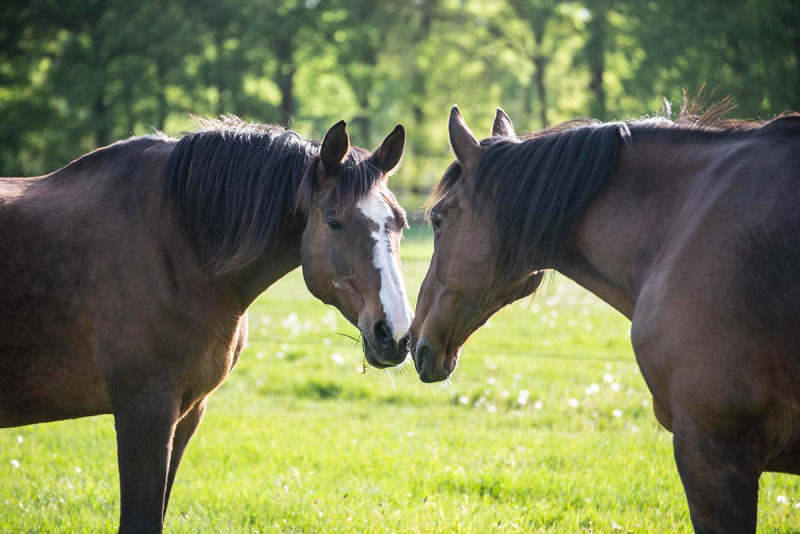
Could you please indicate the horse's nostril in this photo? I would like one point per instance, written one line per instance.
(420, 357)
(383, 335)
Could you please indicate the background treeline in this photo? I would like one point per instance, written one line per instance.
(79, 74)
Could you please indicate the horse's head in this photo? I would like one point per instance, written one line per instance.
(351, 243)
(465, 283)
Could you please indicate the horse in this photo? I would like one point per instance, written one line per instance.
(127, 274)
(690, 228)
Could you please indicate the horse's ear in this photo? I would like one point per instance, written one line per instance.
(465, 145)
(335, 146)
(387, 156)
(502, 127)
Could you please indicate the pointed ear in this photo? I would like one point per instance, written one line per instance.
(465, 146)
(387, 156)
(502, 126)
(335, 146)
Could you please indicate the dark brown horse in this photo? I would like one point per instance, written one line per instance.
(125, 278)
(690, 230)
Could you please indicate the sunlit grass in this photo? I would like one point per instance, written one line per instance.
(547, 426)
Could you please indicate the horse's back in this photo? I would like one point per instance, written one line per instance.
(52, 246)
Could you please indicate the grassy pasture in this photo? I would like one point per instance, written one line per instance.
(547, 427)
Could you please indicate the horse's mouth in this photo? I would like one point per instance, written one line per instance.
(374, 362)
(392, 357)
(434, 365)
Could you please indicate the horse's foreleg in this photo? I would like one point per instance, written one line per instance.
(183, 433)
(145, 426)
(720, 478)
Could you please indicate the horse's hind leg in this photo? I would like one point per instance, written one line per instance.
(145, 425)
(183, 433)
(720, 478)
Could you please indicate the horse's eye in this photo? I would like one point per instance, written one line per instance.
(436, 220)
(334, 225)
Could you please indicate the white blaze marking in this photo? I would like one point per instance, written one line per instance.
(393, 293)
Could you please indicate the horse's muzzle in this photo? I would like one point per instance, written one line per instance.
(382, 350)
(431, 361)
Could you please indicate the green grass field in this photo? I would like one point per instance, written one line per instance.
(547, 426)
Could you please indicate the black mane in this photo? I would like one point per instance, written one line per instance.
(237, 186)
(542, 185)
(539, 186)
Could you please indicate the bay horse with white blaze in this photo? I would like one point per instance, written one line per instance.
(691, 229)
(126, 277)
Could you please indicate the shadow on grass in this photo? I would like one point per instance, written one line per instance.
(329, 390)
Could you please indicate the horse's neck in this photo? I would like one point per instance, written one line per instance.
(619, 238)
(253, 279)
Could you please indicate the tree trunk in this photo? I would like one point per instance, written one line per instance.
(540, 64)
(363, 121)
(102, 134)
(418, 82)
(161, 98)
(284, 74)
(527, 104)
(286, 85)
(595, 55)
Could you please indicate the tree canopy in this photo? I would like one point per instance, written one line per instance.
(78, 75)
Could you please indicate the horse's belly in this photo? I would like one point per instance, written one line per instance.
(785, 464)
(48, 384)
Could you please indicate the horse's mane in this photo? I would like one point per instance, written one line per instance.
(540, 184)
(236, 186)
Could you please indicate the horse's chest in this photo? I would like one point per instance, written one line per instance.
(217, 361)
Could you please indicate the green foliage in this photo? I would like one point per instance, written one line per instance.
(547, 427)
(77, 75)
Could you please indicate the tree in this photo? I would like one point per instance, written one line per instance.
(593, 53)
